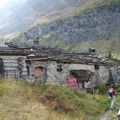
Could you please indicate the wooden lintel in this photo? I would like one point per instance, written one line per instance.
(36, 59)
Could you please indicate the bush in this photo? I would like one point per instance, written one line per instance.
(66, 100)
(102, 89)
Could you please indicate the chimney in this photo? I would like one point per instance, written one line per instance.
(36, 42)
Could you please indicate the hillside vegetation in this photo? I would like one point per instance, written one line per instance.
(18, 100)
(90, 24)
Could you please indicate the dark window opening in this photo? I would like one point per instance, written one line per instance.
(59, 68)
(1, 68)
(96, 67)
(28, 70)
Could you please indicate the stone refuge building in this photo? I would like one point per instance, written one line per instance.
(51, 65)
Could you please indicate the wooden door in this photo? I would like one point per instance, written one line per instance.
(38, 72)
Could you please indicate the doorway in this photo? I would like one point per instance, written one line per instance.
(38, 72)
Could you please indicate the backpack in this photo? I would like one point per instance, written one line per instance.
(114, 92)
(111, 93)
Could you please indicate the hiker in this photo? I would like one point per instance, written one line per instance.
(112, 96)
(112, 83)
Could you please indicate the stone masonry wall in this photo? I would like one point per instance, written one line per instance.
(53, 76)
(11, 66)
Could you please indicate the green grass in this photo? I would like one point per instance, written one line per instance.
(101, 46)
(117, 60)
(18, 100)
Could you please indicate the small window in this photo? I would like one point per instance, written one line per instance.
(96, 67)
(28, 70)
(59, 68)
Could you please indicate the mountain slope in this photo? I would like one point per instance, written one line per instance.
(20, 15)
(14, 17)
(87, 25)
(17, 16)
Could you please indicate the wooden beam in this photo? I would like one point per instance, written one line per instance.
(36, 59)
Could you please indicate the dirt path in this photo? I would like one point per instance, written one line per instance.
(106, 115)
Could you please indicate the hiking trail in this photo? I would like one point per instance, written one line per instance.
(106, 115)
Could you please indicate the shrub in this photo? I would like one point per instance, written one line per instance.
(66, 100)
(102, 89)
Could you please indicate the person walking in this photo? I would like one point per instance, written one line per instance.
(112, 96)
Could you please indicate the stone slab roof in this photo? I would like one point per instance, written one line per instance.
(38, 53)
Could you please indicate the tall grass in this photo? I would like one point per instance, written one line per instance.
(19, 101)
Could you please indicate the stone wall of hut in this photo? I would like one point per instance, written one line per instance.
(13, 67)
(54, 76)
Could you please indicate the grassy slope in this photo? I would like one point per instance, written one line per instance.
(18, 101)
(77, 10)
(88, 4)
(102, 46)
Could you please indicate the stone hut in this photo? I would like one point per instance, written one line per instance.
(54, 66)
(12, 63)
